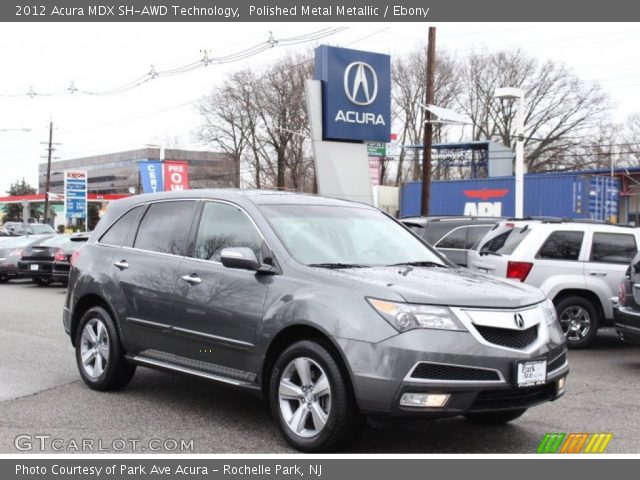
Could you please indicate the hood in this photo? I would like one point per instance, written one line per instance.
(456, 287)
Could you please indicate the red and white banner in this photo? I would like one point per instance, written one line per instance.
(176, 175)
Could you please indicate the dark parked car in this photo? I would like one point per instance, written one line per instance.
(18, 229)
(626, 310)
(11, 251)
(329, 310)
(37, 259)
(63, 257)
(452, 236)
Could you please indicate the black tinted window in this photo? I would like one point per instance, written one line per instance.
(165, 227)
(504, 241)
(119, 232)
(455, 239)
(223, 226)
(562, 246)
(613, 248)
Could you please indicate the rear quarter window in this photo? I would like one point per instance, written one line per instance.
(613, 248)
(504, 240)
(561, 245)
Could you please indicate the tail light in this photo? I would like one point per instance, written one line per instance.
(74, 258)
(16, 253)
(621, 294)
(519, 270)
(60, 256)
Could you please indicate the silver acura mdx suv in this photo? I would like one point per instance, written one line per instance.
(330, 310)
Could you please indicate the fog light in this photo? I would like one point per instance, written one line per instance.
(561, 383)
(431, 400)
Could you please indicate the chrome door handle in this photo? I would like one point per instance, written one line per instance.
(192, 279)
(122, 264)
(598, 274)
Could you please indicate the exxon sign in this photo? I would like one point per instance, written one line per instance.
(356, 94)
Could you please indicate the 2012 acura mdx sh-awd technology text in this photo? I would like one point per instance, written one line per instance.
(331, 310)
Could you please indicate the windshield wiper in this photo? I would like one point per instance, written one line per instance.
(336, 265)
(489, 252)
(424, 263)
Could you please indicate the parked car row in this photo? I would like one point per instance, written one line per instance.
(578, 264)
(42, 258)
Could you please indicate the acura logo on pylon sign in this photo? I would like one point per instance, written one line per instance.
(519, 321)
(360, 83)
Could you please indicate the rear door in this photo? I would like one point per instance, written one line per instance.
(147, 271)
(453, 245)
(560, 254)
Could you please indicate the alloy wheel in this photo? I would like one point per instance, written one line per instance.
(94, 348)
(575, 322)
(304, 395)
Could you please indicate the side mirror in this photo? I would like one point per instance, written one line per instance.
(239, 257)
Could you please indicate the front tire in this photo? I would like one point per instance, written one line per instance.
(579, 321)
(495, 418)
(310, 399)
(99, 354)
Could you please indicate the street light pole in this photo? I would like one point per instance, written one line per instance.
(509, 93)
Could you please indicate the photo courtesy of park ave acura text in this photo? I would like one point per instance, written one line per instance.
(295, 238)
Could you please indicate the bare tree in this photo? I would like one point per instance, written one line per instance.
(408, 92)
(562, 111)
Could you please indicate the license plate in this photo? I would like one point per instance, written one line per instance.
(482, 270)
(532, 373)
(34, 267)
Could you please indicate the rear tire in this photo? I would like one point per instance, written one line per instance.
(495, 418)
(316, 413)
(579, 320)
(99, 354)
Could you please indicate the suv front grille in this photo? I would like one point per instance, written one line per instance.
(505, 337)
(435, 371)
(520, 398)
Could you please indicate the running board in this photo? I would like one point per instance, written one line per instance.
(153, 363)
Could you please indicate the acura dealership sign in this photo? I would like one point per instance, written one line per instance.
(356, 94)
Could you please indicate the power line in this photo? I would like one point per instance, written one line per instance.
(205, 61)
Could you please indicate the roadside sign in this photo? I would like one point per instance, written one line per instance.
(377, 150)
(75, 194)
(176, 175)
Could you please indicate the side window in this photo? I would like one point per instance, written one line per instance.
(475, 234)
(562, 246)
(221, 226)
(456, 238)
(165, 227)
(119, 232)
(613, 248)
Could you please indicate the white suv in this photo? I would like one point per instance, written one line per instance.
(578, 265)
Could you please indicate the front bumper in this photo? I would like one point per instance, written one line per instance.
(382, 373)
(627, 323)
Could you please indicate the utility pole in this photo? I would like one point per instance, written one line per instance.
(48, 180)
(428, 126)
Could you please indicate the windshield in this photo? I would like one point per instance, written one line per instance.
(503, 239)
(38, 229)
(324, 235)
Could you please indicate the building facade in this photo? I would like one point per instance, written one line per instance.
(119, 172)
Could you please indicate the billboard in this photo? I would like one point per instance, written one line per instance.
(176, 175)
(151, 176)
(356, 94)
(75, 194)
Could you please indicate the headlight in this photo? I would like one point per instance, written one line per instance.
(550, 312)
(405, 316)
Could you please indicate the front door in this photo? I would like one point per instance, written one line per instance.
(218, 310)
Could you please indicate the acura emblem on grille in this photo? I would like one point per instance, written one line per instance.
(519, 321)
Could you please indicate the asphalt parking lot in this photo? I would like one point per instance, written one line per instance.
(42, 394)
